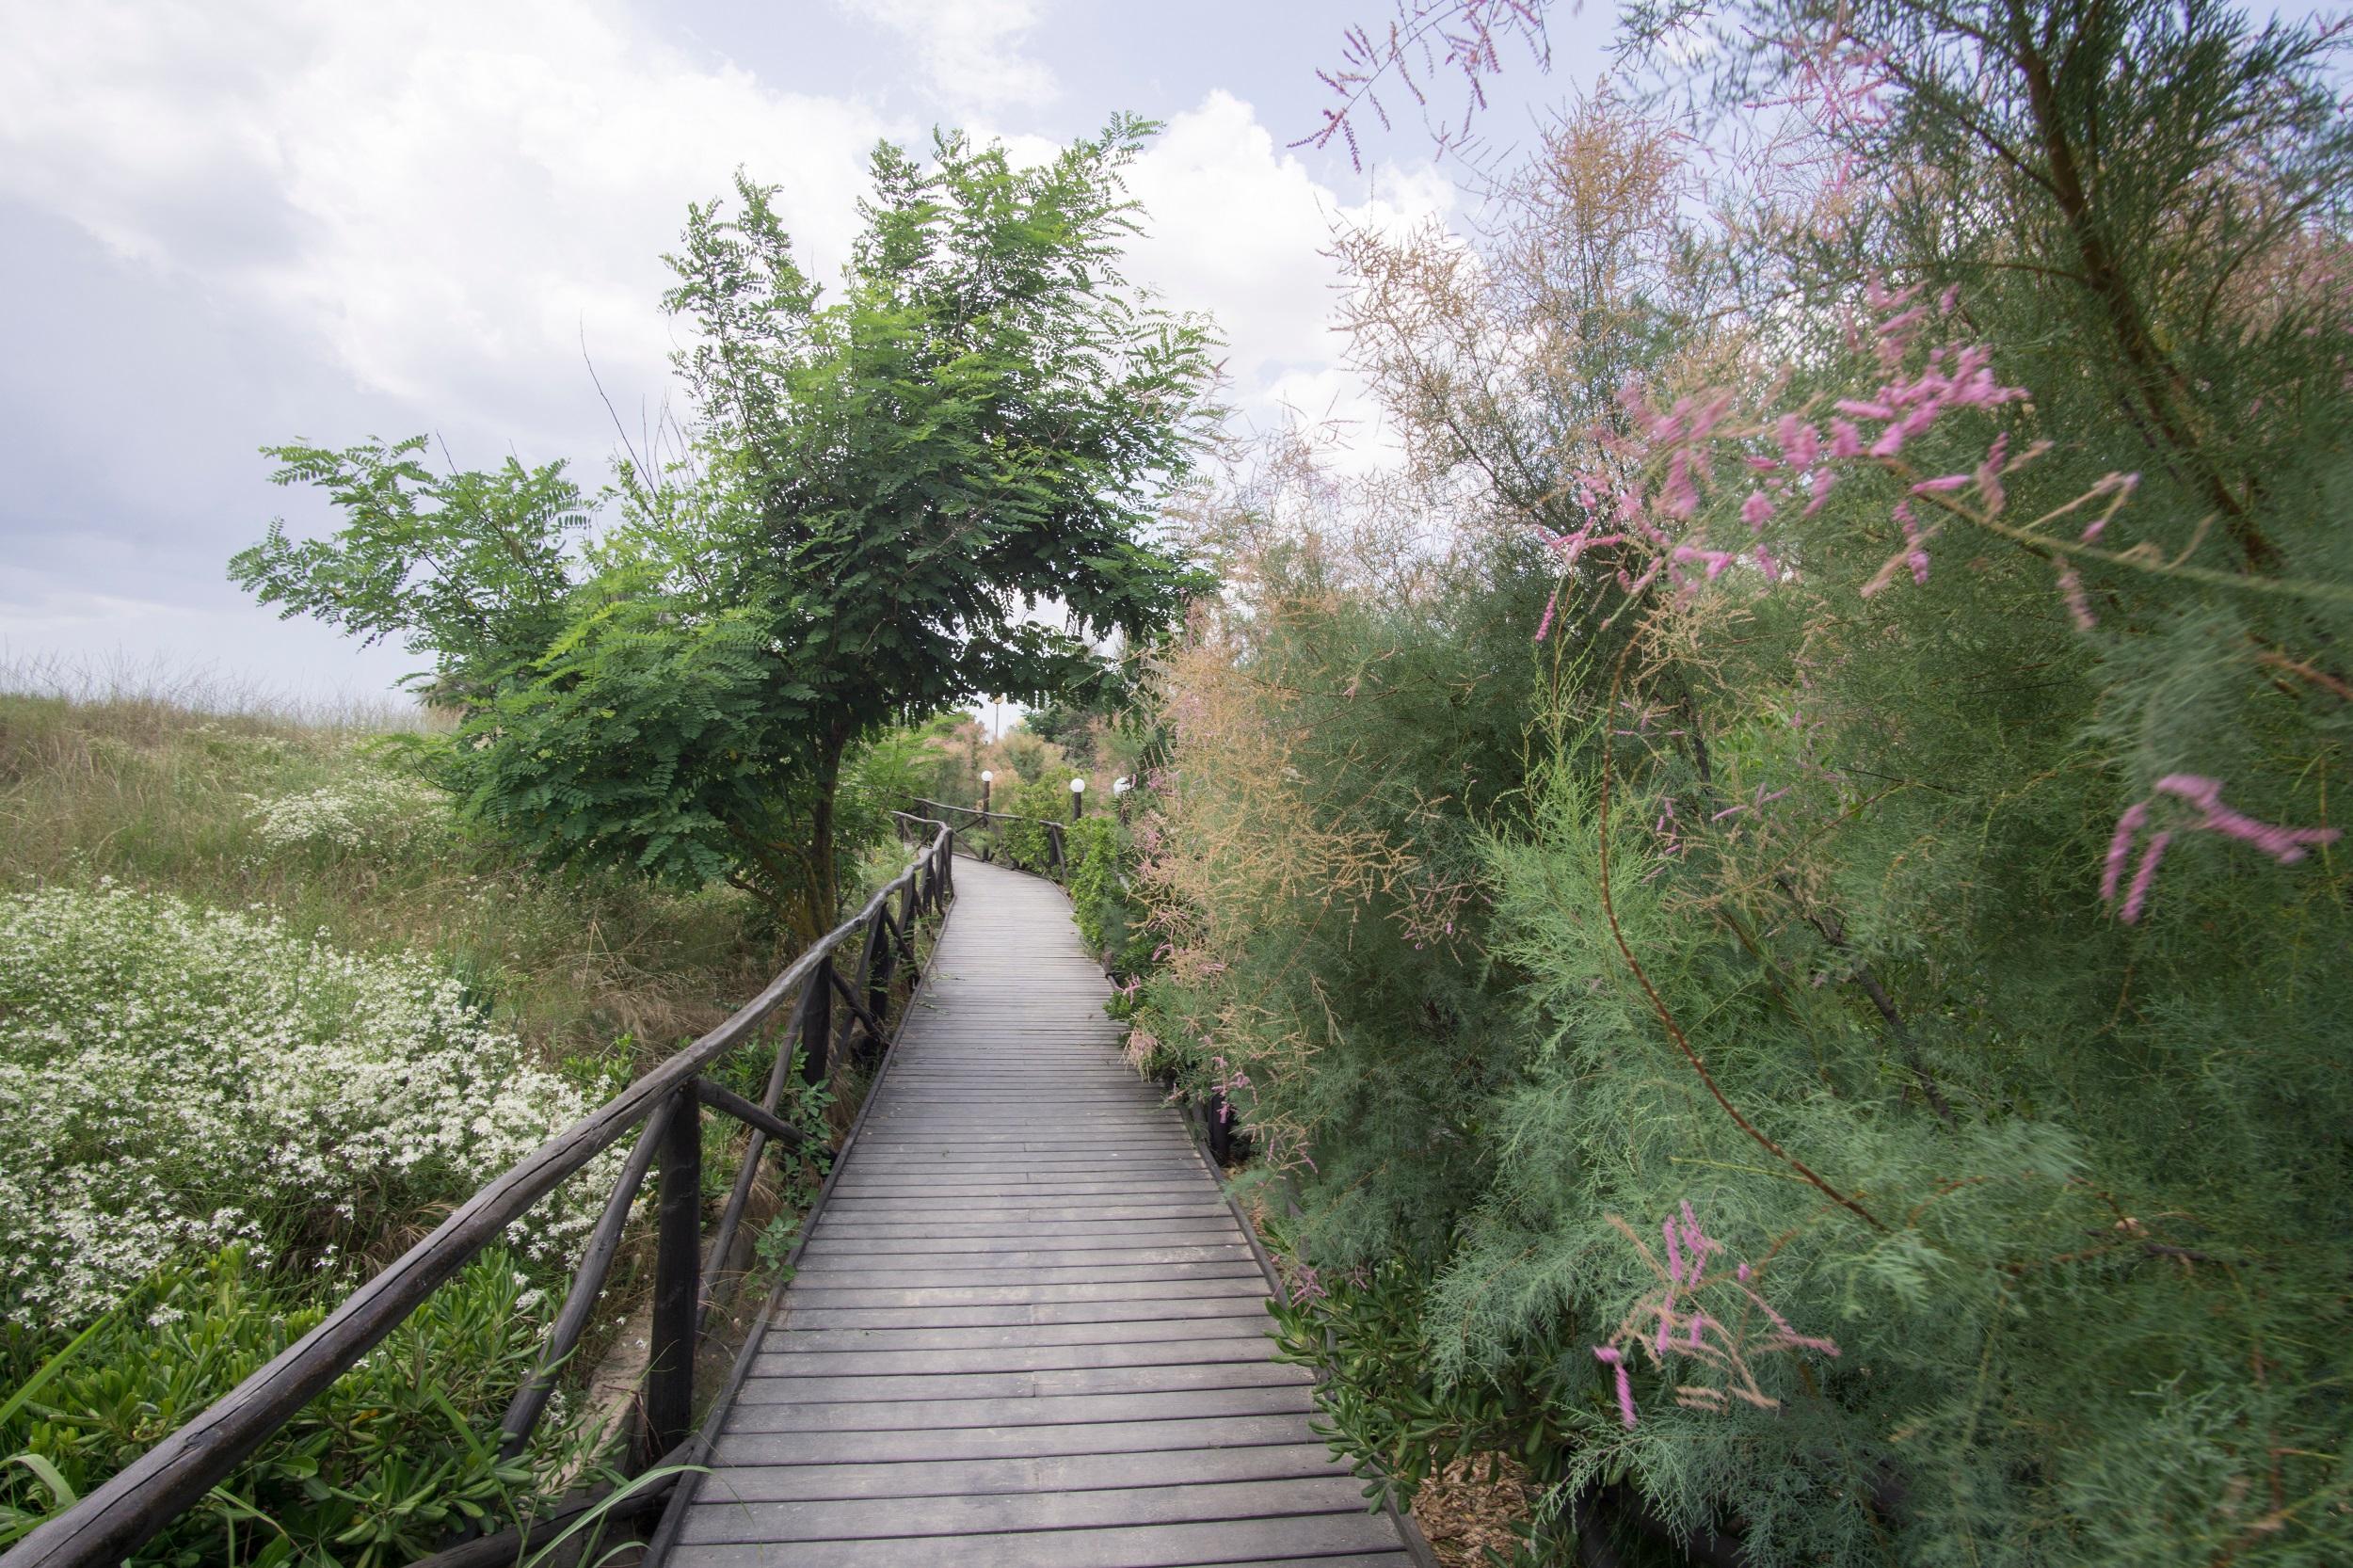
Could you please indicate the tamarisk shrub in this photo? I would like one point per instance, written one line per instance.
(1923, 856)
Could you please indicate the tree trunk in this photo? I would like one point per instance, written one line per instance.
(821, 892)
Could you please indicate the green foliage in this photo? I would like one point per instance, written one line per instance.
(879, 491)
(469, 568)
(1384, 1405)
(1109, 918)
(290, 1018)
(1809, 900)
(1034, 802)
(1312, 859)
(379, 1470)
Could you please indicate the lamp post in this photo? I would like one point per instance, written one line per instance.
(1078, 793)
(985, 776)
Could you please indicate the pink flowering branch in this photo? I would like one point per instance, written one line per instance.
(1702, 1316)
(2286, 845)
(1790, 464)
(1427, 37)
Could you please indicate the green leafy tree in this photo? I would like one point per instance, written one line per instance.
(471, 569)
(882, 494)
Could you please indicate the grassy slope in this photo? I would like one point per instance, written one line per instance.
(597, 973)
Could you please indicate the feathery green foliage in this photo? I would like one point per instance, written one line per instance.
(1923, 861)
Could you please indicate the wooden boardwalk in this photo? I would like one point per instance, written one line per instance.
(1026, 1330)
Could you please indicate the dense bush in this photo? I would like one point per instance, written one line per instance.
(1109, 918)
(1032, 802)
(1861, 1064)
(1312, 858)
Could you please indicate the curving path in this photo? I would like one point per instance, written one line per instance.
(1026, 1330)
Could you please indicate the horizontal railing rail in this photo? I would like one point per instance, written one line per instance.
(1057, 857)
(664, 1108)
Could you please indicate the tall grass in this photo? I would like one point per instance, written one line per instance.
(160, 780)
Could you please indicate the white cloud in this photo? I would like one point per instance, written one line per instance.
(1238, 226)
(444, 196)
(970, 51)
(422, 205)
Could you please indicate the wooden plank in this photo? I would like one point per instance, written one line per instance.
(1250, 1309)
(1175, 1182)
(1132, 1231)
(838, 1337)
(1024, 1211)
(986, 1270)
(1045, 1410)
(988, 1513)
(917, 1444)
(815, 1293)
(1007, 1358)
(1289, 1539)
(1063, 1473)
(772, 1388)
(957, 1252)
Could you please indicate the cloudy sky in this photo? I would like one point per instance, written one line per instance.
(248, 221)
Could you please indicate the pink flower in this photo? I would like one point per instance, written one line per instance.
(2285, 845)
(1845, 439)
(1823, 479)
(1988, 474)
(1715, 561)
(1916, 557)
(1941, 485)
(1610, 1356)
(2138, 896)
(1756, 510)
(2079, 604)
(1550, 605)
(1800, 444)
(2120, 846)
(1682, 496)
(1899, 325)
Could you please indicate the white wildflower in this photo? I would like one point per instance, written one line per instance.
(174, 1080)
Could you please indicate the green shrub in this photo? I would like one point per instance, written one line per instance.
(1110, 920)
(1026, 843)
(377, 1471)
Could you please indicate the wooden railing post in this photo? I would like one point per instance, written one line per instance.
(1217, 1120)
(677, 1275)
(817, 1024)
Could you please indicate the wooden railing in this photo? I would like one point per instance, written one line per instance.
(665, 1107)
(1057, 860)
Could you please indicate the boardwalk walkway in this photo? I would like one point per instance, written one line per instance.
(1026, 1330)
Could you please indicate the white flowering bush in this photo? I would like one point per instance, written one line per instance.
(174, 1079)
(366, 812)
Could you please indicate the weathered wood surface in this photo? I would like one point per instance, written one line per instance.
(1026, 1329)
